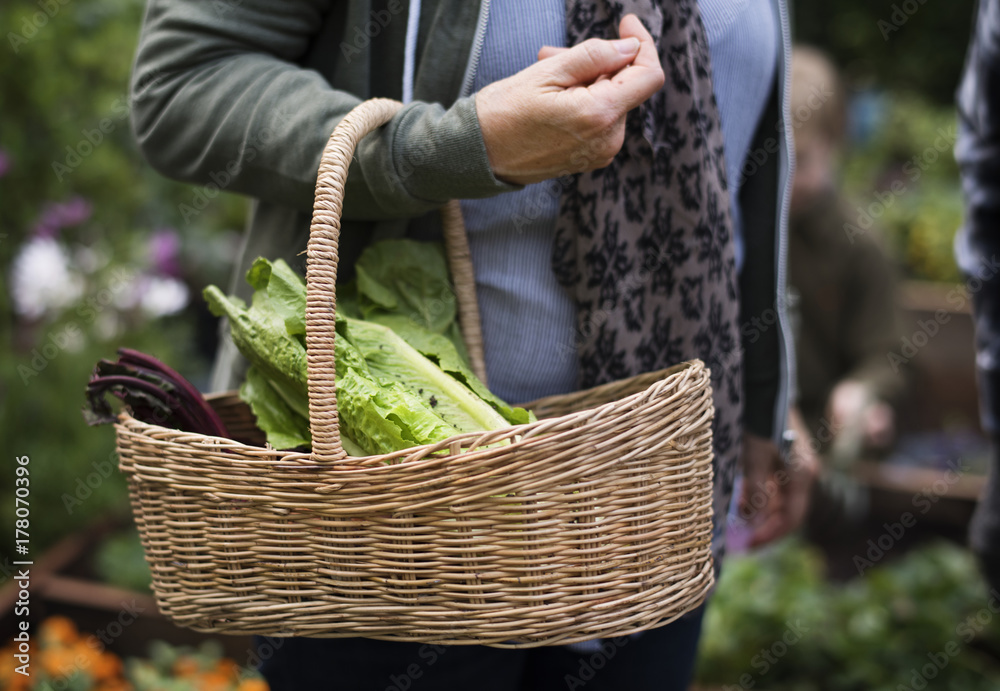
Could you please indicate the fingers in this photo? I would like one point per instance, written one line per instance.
(788, 487)
(566, 112)
(549, 51)
(763, 497)
(623, 73)
(644, 76)
(585, 62)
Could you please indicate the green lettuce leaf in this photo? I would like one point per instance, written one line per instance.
(259, 333)
(400, 383)
(285, 429)
(406, 277)
(392, 359)
(285, 289)
(384, 418)
(442, 352)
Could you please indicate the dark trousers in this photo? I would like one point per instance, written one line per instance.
(661, 659)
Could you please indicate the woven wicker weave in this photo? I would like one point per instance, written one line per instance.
(595, 521)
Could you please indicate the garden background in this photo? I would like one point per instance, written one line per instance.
(98, 251)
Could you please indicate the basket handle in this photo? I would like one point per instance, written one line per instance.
(321, 274)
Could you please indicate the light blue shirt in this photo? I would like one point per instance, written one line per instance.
(529, 320)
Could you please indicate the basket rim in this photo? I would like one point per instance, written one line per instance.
(465, 444)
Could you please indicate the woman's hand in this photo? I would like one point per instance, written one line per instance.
(775, 497)
(566, 113)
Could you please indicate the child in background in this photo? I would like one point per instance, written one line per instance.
(844, 288)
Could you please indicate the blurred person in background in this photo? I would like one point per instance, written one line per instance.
(844, 288)
(977, 246)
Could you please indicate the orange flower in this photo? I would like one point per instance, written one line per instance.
(59, 661)
(9, 679)
(253, 685)
(107, 666)
(87, 655)
(213, 681)
(186, 667)
(228, 668)
(58, 630)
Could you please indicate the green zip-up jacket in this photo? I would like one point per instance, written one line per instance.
(243, 95)
(221, 95)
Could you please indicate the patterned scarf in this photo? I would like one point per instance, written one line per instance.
(644, 246)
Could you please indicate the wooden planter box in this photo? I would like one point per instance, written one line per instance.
(941, 396)
(943, 382)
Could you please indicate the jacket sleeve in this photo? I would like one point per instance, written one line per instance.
(977, 152)
(218, 97)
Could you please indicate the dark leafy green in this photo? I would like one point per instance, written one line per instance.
(154, 393)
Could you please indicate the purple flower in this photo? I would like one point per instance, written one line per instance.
(4, 163)
(74, 212)
(164, 252)
(57, 216)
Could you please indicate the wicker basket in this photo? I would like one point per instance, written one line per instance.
(595, 521)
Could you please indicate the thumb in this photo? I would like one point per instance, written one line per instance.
(585, 62)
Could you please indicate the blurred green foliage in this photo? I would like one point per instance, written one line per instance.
(910, 45)
(121, 561)
(64, 76)
(905, 180)
(903, 59)
(182, 668)
(775, 618)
